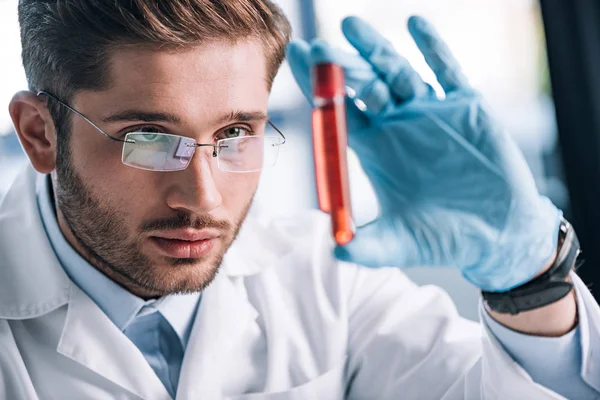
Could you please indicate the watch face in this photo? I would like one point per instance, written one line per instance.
(564, 226)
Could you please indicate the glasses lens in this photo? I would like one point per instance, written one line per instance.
(157, 151)
(248, 153)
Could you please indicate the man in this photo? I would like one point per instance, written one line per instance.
(132, 268)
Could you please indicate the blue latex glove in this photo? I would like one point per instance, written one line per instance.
(452, 186)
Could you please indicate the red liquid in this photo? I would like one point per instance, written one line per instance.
(329, 148)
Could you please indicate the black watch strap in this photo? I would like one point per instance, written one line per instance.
(545, 289)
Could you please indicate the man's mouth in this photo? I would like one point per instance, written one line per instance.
(186, 243)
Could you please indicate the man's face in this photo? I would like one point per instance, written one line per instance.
(141, 228)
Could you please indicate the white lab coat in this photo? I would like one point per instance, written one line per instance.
(282, 320)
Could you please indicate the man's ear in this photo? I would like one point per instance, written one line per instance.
(35, 129)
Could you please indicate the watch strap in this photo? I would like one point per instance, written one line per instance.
(545, 289)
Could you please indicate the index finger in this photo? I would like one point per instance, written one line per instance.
(404, 82)
(437, 55)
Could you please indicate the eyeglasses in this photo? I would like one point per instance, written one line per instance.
(165, 152)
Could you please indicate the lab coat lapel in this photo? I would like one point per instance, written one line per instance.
(91, 339)
(225, 314)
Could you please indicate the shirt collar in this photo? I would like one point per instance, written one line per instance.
(121, 306)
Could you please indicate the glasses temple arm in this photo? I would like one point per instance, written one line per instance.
(278, 131)
(80, 114)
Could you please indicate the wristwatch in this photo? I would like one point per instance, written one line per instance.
(545, 289)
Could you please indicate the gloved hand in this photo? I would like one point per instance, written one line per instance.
(452, 186)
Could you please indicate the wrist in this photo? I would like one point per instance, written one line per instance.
(552, 320)
(549, 285)
(558, 317)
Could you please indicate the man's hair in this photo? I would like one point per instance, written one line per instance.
(67, 43)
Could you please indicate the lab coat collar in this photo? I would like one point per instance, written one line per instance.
(225, 314)
(92, 340)
(32, 281)
(35, 282)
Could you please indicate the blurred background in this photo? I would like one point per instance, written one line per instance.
(501, 45)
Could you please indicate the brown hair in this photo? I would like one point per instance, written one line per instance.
(66, 43)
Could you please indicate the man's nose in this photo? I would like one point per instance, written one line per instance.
(194, 188)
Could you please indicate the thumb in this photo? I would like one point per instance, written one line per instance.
(373, 246)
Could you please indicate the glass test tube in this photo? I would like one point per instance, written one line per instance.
(329, 148)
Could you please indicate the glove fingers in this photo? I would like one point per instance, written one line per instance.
(368, 92)
(404, 82)
(437, 55)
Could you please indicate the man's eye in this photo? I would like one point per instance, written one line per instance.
(147, 133)
(234, 131)
(148, 137)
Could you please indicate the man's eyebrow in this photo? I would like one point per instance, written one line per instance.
(138, 115)
(243, 116)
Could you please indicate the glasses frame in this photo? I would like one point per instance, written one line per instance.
(214, 146)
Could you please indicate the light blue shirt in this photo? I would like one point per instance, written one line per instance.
(159, 328)
(555, 363)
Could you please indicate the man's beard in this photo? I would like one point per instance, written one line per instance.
(103, 237)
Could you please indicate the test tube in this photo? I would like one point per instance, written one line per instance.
(329, 148)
